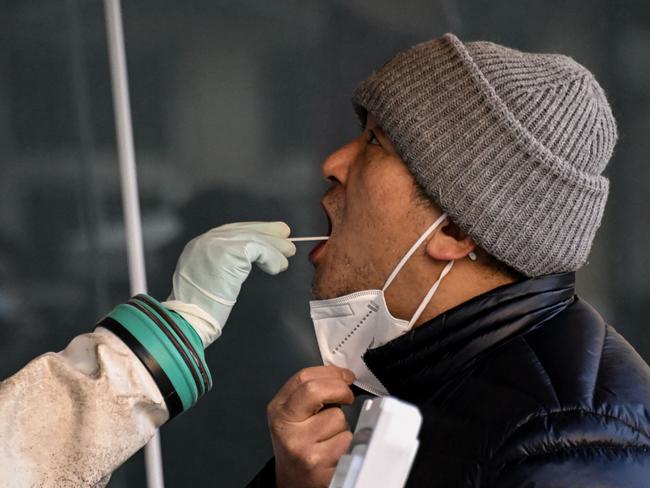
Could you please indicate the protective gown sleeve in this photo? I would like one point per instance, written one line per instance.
(69, 419)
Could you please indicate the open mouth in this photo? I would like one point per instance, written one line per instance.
(318, 250)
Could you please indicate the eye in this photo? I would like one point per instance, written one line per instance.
(372, 138)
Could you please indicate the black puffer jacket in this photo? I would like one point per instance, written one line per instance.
(524, 386)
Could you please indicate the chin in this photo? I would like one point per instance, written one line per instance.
(337, 275)
(317, 292)
(322, 288)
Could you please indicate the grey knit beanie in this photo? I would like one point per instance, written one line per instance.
(510, 144)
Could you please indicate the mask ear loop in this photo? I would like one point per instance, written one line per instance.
(411, 251)
(429, 295)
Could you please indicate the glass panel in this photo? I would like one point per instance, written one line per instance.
(62, 250)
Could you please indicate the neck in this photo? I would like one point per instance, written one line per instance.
(465, 281)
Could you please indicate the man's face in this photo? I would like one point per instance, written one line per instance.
(374, 213)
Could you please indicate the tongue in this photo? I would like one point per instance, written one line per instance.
(317, 249)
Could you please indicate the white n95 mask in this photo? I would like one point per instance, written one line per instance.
(346, 327)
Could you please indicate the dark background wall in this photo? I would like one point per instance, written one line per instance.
(235, 105)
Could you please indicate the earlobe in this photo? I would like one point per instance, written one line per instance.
(450, 243)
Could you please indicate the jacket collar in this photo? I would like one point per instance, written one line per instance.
(430, 355)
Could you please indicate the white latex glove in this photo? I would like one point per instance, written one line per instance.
(212, 268)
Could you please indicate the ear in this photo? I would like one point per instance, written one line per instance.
(450, 243)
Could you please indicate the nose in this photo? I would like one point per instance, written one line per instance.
(336, 167)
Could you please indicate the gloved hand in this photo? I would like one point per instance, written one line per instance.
(212, 268)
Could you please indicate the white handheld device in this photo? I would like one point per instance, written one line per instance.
(383, 446)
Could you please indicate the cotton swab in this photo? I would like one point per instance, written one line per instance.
(305, 239)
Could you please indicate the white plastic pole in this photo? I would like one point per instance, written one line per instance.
(130, 201)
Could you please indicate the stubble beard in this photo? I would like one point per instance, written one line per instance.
(340, 280)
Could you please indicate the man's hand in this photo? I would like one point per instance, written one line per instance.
(308, 429)
(212, 268)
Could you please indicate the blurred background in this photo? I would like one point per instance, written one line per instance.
(235, 104)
